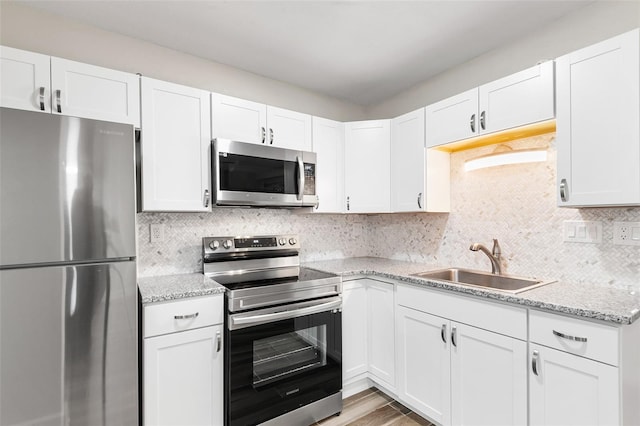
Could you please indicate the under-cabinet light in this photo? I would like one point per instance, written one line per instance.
(506, 157)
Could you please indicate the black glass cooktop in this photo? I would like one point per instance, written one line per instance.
(305, 275)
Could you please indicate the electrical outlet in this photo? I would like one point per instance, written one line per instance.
(156, 232)
(626, 233)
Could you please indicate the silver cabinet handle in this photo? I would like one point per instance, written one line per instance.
(58, 101)
(482, 120)
(41, 98)
(534, 362)
(472, 123)
(454, 333)
(205, 198)
(443, 333)
(264, 134)
(564, 190)
(568, 337)
(270, 136)
(218, 341)
(419, 198)
(348, 203)
(317, 202)
(190, 316)
(300, 178)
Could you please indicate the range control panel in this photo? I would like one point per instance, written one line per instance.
(216, 245)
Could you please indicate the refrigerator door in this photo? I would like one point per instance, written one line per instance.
(68, 345)
(67, 189)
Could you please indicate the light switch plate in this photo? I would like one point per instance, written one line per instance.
(581, 231)
(626, 233)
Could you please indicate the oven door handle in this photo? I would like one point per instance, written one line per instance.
(241, 322)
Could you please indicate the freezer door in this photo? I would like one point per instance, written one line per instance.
(67, 189)
(68, 346)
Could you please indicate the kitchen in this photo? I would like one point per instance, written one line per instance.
(516, 204)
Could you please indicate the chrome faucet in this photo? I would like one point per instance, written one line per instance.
(494, 255)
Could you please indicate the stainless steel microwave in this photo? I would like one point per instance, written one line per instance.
(246, 174)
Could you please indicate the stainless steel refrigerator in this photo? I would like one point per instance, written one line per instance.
(68, 295)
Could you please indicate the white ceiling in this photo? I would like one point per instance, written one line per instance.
(360, 51)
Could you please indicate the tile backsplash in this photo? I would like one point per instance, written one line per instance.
(514, 203)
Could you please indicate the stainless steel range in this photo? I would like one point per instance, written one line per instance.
(283, 331)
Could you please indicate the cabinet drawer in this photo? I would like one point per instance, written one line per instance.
(160, 318)
(602, 341)
(481, 313)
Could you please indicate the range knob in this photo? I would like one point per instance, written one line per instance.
(227, 244)
(282, 241)
(213, 245)
(292, 241)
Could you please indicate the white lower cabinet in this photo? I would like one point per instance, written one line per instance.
(182, 371)
(566, 389)
(454, 373)
(368, 333)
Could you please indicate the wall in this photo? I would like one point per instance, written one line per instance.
(517, 205)
(31, 29)
(582, 28)
(321, 236)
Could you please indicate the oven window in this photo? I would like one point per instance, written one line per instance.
(288, 354)
(255, 174)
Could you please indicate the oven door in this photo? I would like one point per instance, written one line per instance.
(280, 359)
(257, 175)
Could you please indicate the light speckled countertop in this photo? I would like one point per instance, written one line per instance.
(609, 304)
(172, 287)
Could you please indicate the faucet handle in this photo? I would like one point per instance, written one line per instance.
(496, 251)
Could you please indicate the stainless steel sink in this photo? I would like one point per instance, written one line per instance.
(504, 283)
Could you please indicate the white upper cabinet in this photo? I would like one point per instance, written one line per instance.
(452, 119)
(247, 121)
(328, 144)
(367, 166)
(419, 177)
(88, 91)
(24, 80)
(519, 99)
(175, 147)
(289, 129)
(522, 98)
(238, 119)
(598, 123)
(38, 82)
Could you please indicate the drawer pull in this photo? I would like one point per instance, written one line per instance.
(190, 316)
(568, 337)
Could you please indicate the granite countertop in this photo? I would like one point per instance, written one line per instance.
(172, 287)
(609, 304)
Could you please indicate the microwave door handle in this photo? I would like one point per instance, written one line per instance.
(300, 178)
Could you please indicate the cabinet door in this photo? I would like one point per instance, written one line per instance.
(570, 390)
(238, 119)
(488, 378)
(522, 98)
(88, 91)
(452, 119)
(182, 378)
(598, 123)
(289, 129)
(328, 144)
(423, 363)
(24, 80)
(380, 318)
(175, 147)
(367, 166)
(408, 191)
(354, 329)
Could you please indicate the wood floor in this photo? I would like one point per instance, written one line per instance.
(373, 408)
